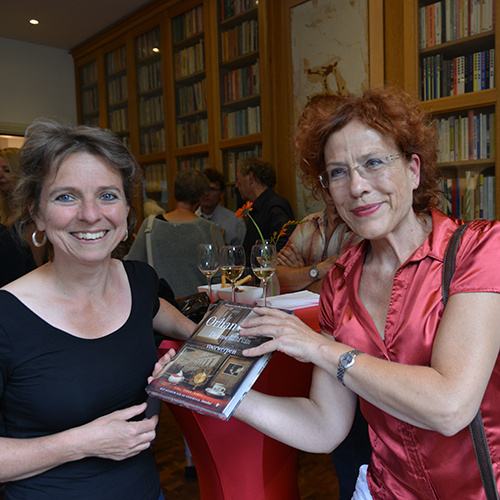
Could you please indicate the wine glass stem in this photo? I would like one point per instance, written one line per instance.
(232, 289)
(265, 293)
(209, 279)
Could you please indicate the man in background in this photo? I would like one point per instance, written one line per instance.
(255, 180)
(233, 229)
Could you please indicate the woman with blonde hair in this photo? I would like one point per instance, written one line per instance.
(9, 168)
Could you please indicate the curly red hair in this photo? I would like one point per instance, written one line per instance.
(391, 112)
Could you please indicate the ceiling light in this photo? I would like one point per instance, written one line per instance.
(33, 21)
(155, 49)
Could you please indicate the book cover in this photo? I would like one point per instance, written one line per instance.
(209, 374)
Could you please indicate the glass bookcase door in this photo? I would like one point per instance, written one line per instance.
(89, 94)
(117, 93)
(150, 92)
(239, 68)
(190, 78)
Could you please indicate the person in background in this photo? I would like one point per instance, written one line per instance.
(255, 179)
(76, 334)
(312, 249)
(16, 258)
(233, 229)
(176, 234)
(421, 371)
(9, 167)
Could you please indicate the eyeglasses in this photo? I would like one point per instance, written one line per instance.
(339, 176)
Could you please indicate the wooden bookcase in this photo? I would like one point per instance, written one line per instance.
(181, 82)
(433, 51)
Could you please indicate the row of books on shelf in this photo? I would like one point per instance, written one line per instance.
(232, 160)
(117, 90)
(190, 60)
(90, 101)
(152, 141)
(192, 132)
(149, 77)
(240, 40)
(466, 137)
(241, 122)
(187, 24)
(150, 110)
(442, 77)
(199, 163)
(118, 120)
(469, 197)
(88, 74)
(156, 174)
(192, 98)
(242, 82)
(449, 20)
(146, 43)
(230, 8)
(116, 60)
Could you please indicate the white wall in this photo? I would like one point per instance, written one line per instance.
(35, 81)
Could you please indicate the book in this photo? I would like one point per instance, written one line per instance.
(209, 373)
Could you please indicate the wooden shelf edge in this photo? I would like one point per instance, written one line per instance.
(242, 141)
(461, 102)
(196, 149)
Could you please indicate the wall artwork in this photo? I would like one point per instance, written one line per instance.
(329, 43)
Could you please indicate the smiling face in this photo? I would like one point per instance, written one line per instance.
(82, 209)
(378, 207)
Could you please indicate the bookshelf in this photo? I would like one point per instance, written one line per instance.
(241, 56)
(148, 67)
(450, 60)
(183, 84)
(87, 76)
(117, 93)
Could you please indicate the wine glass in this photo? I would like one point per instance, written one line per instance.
(207, 257)
(264, 260)
(232, 263)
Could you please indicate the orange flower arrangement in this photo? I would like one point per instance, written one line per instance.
(245, 210)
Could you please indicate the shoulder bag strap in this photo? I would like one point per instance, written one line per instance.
(476, 427)
(147, 233)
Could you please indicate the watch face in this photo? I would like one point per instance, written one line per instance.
(346, 358)
(313, 272)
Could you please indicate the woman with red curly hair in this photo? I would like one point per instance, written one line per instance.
(420, 371)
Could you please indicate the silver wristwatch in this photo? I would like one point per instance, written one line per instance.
(313, 272)
(346, 361)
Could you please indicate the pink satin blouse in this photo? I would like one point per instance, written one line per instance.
(408, 462)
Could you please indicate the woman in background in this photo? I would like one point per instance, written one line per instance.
(9, 167)
(76, 334)
(175, 235)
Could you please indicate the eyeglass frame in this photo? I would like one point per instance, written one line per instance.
(388, 158)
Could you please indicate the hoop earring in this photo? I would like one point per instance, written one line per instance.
(36, 243)
(126, 235)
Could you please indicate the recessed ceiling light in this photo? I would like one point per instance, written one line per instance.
(33, 21)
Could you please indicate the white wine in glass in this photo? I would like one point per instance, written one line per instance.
(207, 258)
(264, 260)
(232, 263)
